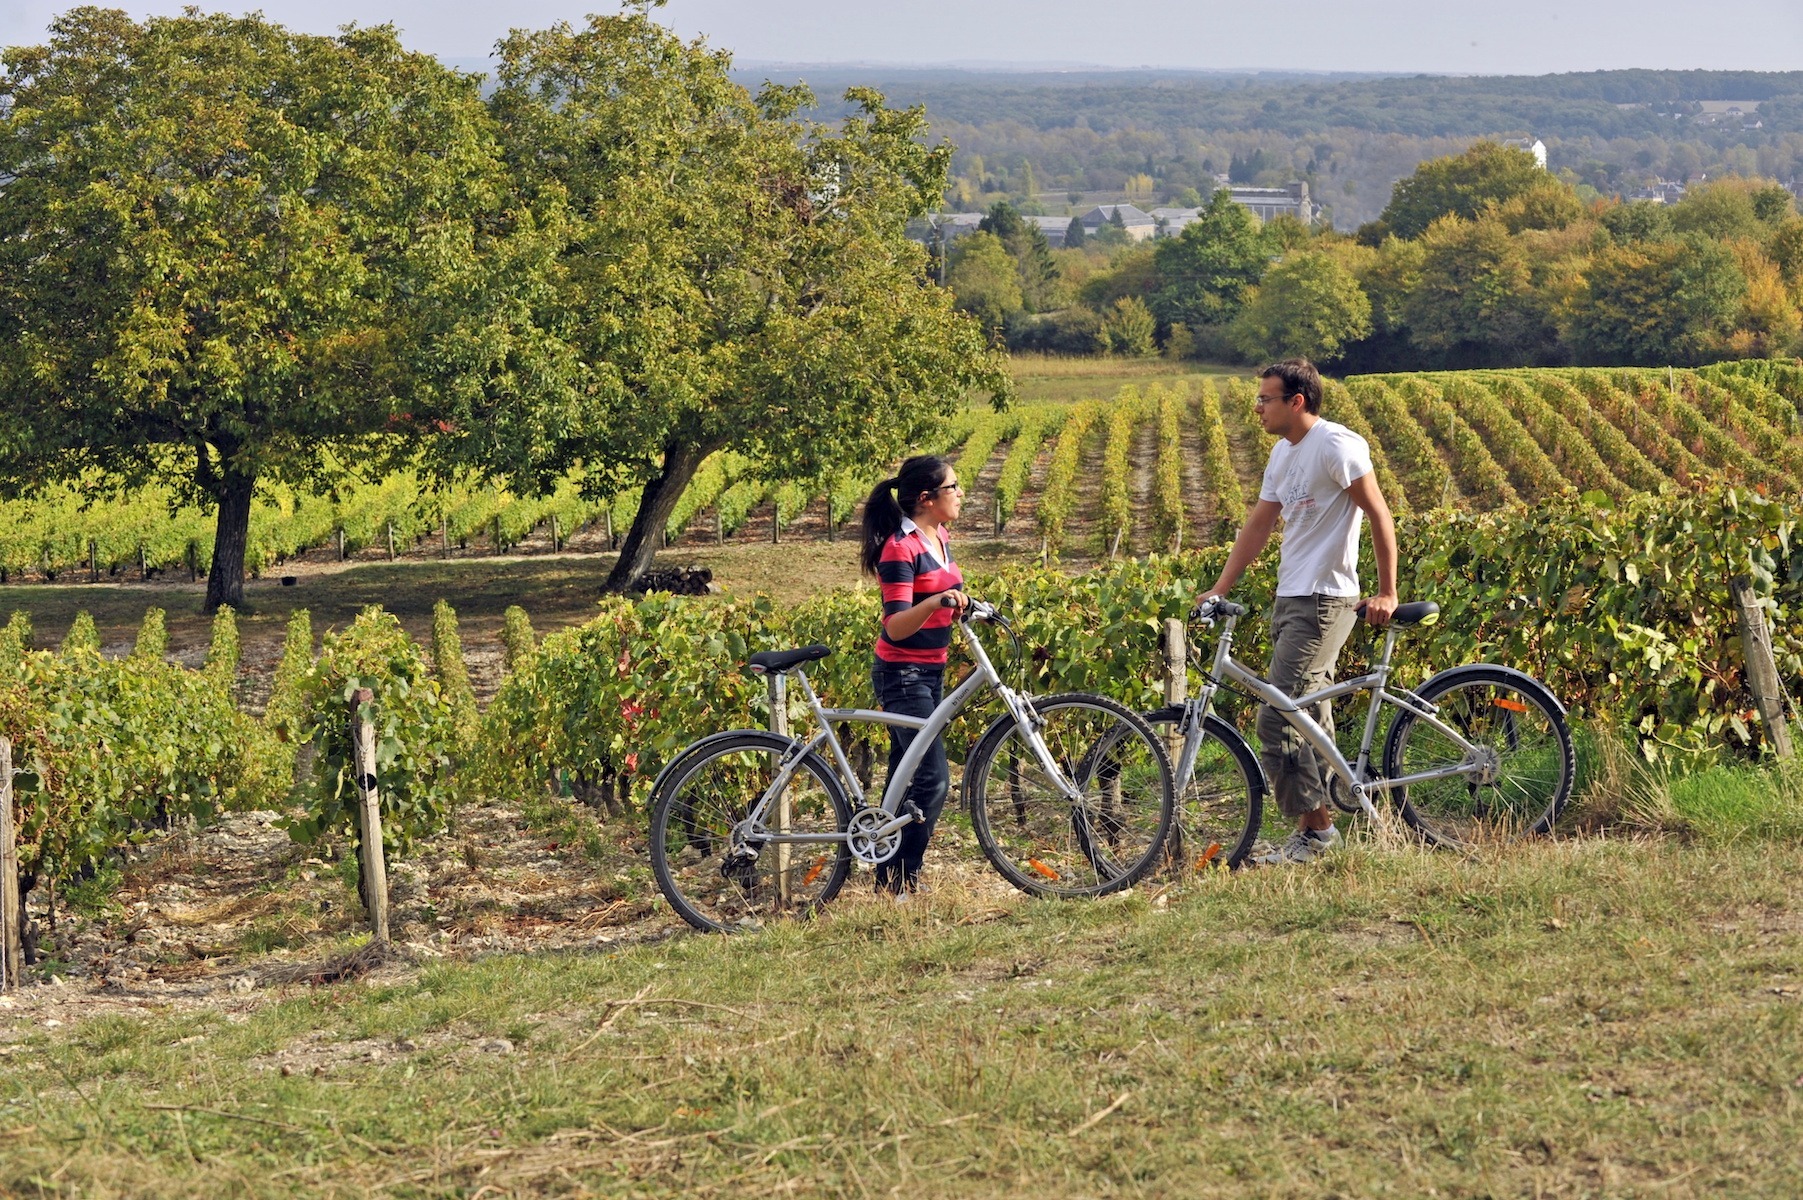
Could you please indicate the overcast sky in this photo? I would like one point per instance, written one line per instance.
(1482, 36)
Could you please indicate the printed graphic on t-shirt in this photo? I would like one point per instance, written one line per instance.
(1299, 507)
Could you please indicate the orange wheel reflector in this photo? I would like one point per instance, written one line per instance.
(1042, 868)
(814, 872)
(1208, 855)
(1511, 705)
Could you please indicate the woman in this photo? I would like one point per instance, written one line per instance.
(905, 547)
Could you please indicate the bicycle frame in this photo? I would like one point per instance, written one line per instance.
(984, 678)
(1294, 710)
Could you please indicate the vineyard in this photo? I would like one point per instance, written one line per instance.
(1157, 467)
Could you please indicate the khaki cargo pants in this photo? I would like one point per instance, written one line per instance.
(1307, 634)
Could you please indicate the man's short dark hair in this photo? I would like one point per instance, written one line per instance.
(1299, 378)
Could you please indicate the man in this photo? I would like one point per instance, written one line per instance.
(1320, 481)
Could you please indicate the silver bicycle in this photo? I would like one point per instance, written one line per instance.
(1068, 795)
(1478, 753)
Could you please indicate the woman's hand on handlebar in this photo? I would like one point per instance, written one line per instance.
(954, 599)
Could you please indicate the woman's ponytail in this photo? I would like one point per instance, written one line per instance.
(882, 521)
(895, 498)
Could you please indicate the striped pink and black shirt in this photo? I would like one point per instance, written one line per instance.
(910, 571)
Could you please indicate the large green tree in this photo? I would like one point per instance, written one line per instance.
(234, 254)
(732, 275)
(985, 280)
(1656, 303)
(1460, 185)
(1204, 273)
(1473, 303)
(1308, 304)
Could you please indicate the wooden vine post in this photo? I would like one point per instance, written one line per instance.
(12, 950)
(1174, 653)
(391, 541)
(779, 725)
(1762, 667)
(369, 814)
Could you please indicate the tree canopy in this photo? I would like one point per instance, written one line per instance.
(230, 254)
(1460, 185)
(730, 275)
(1205, 272)
(1307, 304)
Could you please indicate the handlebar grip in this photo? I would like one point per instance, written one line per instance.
(946, 601)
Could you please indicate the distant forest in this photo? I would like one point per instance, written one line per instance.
(1054, 141)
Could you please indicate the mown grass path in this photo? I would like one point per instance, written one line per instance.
(1586, 1018)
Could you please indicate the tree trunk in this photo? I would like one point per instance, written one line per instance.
(681, 460)
(225, 582)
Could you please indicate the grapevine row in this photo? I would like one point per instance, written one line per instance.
(1167, 473)
(1116, 502)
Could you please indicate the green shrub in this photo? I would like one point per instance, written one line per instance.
(415, 734)
(82, 636)
(15, 636)
(222, 654)
(286, 713)
(111, 748)
(516, 637)
(153, 636)
(452, 672)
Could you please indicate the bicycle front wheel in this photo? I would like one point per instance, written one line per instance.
(720, 884)
(1220, 815)
(1520, 764)
(1044, 841)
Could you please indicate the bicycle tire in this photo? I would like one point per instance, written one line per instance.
(709, 788)
(1488, 704)
(1228, 828)
(1050, 847)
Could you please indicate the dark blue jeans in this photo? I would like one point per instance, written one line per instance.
(912, 690)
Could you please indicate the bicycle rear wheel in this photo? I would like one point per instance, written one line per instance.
(1036, 836)
(1520, 733)
(698, 803)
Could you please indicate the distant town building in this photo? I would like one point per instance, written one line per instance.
(1660, 191)
(928, 230)
(1054, 228)
(1269, 203)
(1138, 223)
(1265, 203)
(1532, 145)
(1170, 221)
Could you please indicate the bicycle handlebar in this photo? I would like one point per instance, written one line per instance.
(1211, 610)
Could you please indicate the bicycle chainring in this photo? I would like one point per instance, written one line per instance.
(863, 840)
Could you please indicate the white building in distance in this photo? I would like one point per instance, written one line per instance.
(1532, 145)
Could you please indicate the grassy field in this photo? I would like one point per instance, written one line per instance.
(1598, 1017)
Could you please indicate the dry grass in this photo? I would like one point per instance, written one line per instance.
(1588, 1018)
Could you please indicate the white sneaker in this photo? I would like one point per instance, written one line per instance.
(1303, 846)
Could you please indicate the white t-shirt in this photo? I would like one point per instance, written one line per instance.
(1320, 521)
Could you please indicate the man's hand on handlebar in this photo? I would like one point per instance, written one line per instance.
(1377, 609)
